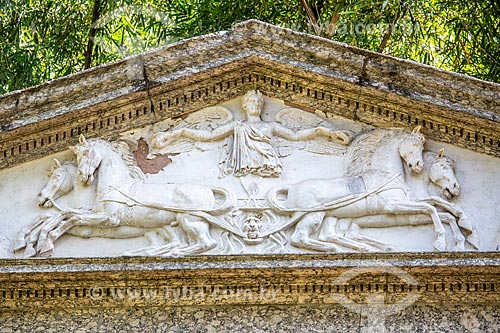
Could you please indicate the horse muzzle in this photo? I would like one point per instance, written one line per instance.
(451, 192)
(44, 201)
(416, 167)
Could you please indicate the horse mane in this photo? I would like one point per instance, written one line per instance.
(431, 157)
(71, 164)
(123, 149)
(360, 152)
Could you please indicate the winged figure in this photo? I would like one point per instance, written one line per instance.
(253, 146)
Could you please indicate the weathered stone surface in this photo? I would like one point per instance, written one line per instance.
(151, 166)
(434, 292)
(279, 318)
(248, 293)
(467, 278)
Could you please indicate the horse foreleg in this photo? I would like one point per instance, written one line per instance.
(328, 234)
(32, 241)
(458, 237)
(308, 225)
(197, 231)
(45, 245)
(447, 206)
(463, 221)
(26, 236)
(69, 221)
(410, 207)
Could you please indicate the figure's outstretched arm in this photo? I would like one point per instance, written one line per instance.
(341, 137)
(161, 140)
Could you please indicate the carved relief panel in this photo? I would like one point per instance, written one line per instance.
(251, 175)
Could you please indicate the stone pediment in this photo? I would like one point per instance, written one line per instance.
(251, 175)
(256, 140)
(279, 159)
(272, 180)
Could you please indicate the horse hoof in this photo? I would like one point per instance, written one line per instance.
(334, 249)
(474, 241)
(29, 251)
(47, 249)
(459, 248)
(19, 244)
(46, 254)
(369, 249)
(439, 245)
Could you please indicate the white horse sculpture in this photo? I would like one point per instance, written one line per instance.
(374, 184)
(438, 171)
(441, 174)
(63, 183)
(124, 200)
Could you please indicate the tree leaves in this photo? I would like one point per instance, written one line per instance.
(44, 39)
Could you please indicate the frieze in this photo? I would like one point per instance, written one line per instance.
(248, 194)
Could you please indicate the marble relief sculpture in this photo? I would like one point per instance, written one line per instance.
(438, 170)
(124, 200)
(374, 184)
(385, 181)
(251, 150)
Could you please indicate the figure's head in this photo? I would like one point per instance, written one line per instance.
(88, 159)
(442, 174)
(60, 183)
(253, 102)
(411, 148)
(252, 226)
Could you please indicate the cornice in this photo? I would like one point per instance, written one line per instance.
(431, 278)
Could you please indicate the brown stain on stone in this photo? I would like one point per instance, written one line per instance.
(152, 166)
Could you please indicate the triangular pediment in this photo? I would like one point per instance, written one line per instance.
(264, 155)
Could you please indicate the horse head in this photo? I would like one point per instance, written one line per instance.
(88, 159)
(60, 183)
(411, 148)
(442, 174)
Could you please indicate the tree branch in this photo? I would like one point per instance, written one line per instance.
(388, 32)
(311, 16)
(332, 27)
(92, 32)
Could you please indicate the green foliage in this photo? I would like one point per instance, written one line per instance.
(44, 39)
(40, 40)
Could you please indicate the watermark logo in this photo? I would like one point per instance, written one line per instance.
(355, 28)
(375, 308)
(184, 293)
